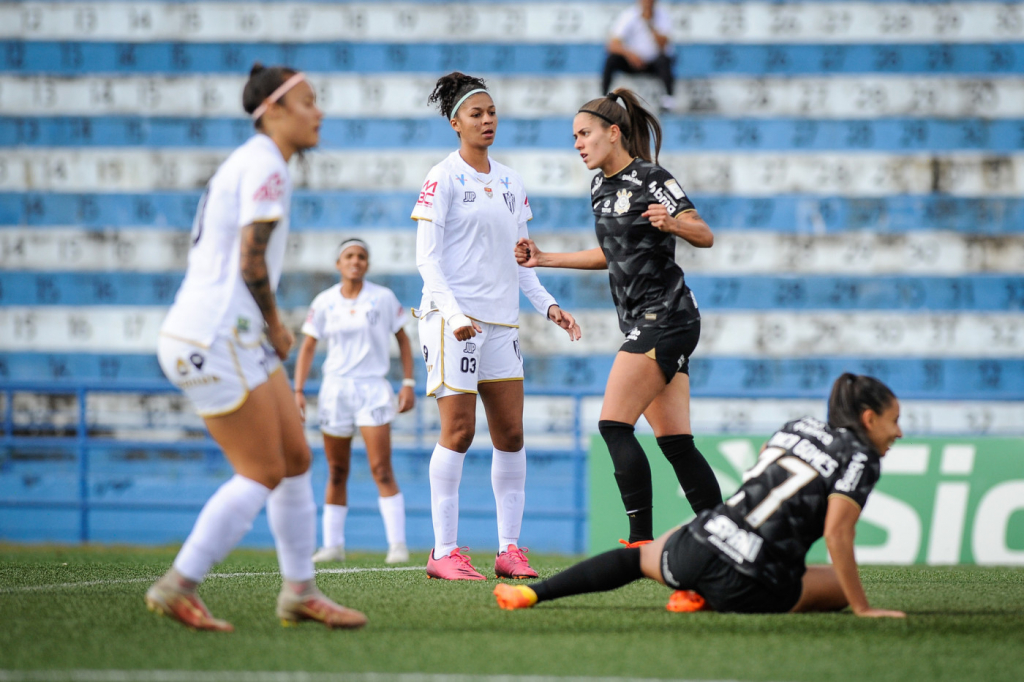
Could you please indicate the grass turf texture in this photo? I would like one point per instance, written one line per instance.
(964, 624)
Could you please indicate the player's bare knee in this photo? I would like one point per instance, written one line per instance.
(382, 473)
(337, 473)
(510, 440)
(459, 435)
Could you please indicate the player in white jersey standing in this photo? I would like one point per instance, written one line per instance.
(470, 213)
(357, 319)
(222, 344)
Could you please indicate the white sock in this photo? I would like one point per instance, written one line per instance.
(334, 525)
(225, 519)
(291, 512)
(392, 510)
(508, 480)
(445, 475)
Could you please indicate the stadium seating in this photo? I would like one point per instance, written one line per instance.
(860, 164)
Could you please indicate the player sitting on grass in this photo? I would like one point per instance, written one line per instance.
(747, 554)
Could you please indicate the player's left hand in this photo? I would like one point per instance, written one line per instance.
(406, 399)
(659, 217)
(566, 321)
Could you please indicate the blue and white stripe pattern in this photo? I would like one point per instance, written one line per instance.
(860, 162)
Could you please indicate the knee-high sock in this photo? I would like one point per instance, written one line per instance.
(601, 573)
(225, 519)
(508, 480)
(693, 471)
(445, 476)
(392, 510)
(291, 512)
(334, 524)
(633, 474)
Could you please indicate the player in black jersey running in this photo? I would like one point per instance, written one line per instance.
(640, 209)
(747, 554)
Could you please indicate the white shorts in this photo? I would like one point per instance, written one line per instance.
(217, 379)
(455, 366)
(344, 404)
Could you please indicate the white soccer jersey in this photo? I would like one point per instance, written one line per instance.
(358, 331)
(252, 185)
(478, 217)
(635, 33)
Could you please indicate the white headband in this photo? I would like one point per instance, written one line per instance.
(354, 241)
(464, 98)
(278, 94)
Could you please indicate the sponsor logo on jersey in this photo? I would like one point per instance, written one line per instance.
(740, 545)
(469, 197)
(488, 192)
(663, 198)
(622, 201)
(505, 182)
(470, 347)
(848, 483)
(461, 179)
(510, 201)
(673, 187)
(631, 178)
(197, 360)
(242, 324)
(372, 317)
(598, 181)
(199, 381)
(633, 334)
(271, 190)
(427, 194)
(526, 202)
(606, 207)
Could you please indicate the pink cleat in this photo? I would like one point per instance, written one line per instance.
(513, 564)
(455, 566)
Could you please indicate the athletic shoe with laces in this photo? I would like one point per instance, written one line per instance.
(686, 601)
(634, 545)
(314, 605)
(513, 563)
(455, 566)
(185, 607)
(512, 597)
(398, 553)
(329, 554)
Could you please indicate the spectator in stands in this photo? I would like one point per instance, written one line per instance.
(357, 319)
(469, 215)
(222, 343)
(639, 210)
(640, 43)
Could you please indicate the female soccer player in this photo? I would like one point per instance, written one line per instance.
(747, 555)
(640, 209)
(470, 213)
(222, 344)
(357, 318)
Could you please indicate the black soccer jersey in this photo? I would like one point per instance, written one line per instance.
(647, 285)
(766, 528)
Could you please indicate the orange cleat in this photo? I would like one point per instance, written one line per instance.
(185, 607)
(512, 597)
(292, 608)
(686, 601)
(633, 545)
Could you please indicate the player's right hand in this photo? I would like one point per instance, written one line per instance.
(527, 253)
(468, 332)
(282, 339)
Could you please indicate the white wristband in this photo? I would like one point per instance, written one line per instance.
(411, 383)
(459, 320)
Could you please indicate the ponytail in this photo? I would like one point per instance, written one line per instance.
(851, 395)
(638, 125)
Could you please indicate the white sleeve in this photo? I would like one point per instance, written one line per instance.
(622, 23)
(663, 22)
(261, 192)
(314, 324)
(530, 285)
(434, 197)
(429, 246)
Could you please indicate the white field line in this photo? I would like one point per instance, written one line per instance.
(124, 581)
(262, 676)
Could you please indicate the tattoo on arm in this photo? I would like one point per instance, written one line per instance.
(255, 237)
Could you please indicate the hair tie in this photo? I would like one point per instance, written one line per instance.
(613, 96)
(351, 241)
(463, 99)
(281, 91)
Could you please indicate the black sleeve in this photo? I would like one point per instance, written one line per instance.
(858, 478)
(666, 190)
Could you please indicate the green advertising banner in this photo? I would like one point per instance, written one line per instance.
(939, 501)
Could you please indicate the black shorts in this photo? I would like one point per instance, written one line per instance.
(669, 346)
(689, 564)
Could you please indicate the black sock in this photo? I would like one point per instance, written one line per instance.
(601, 573)
(633, 474)
(692, 470)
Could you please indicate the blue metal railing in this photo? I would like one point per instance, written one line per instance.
(83, 442)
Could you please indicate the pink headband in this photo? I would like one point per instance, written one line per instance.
(278, 94)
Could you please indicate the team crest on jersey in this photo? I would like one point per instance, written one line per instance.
(488, 193)
(271, 190)
(510, 201)
(622, 201)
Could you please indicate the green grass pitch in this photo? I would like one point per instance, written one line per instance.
(963, 624)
